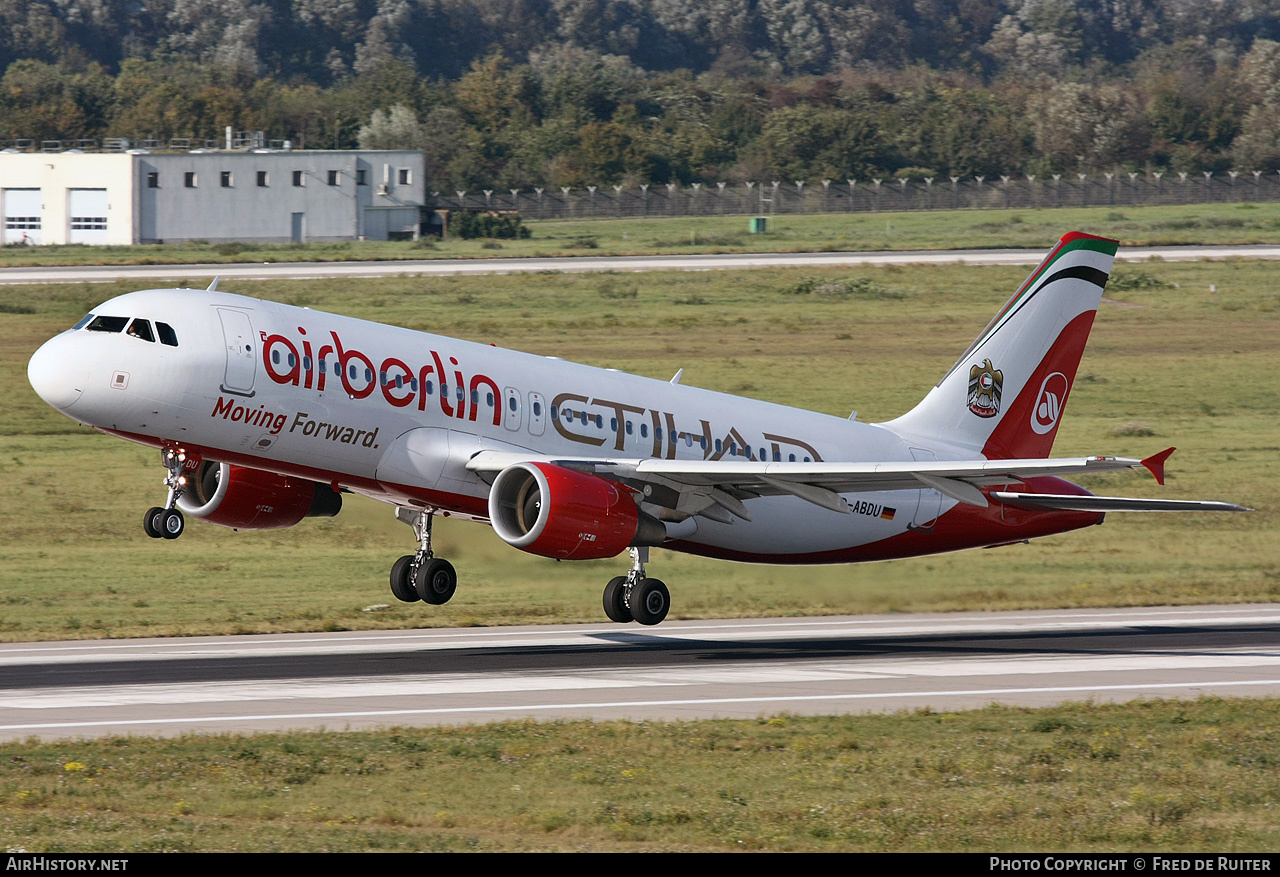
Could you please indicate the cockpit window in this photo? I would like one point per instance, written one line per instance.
(107, 324)
(167, 335)
(83, 322)
(141, 329)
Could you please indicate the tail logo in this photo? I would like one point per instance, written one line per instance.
(1053, 393)
(985, 383)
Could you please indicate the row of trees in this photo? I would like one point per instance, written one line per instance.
(514, 93)
(325, 40)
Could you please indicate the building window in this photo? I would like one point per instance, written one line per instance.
(189, 179)
(226, 179)
(299, 178)
(153, 180)
(333, 178)
(262, 179)
(88, 223)
(362, 177)
(404, 177)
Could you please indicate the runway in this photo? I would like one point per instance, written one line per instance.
(681, 670)
(157, 274)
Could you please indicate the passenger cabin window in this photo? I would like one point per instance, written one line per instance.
(141, 329)
(168, 337)
(108, 324)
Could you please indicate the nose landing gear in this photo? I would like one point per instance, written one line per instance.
(634, 597)
(422, 576)
(166, 521)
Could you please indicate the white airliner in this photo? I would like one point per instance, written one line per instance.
(266, 413)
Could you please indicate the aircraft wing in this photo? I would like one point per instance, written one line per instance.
(1112, 503)
(718, 488)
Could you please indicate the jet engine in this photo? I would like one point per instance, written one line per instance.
(250, 499)
(557, 512)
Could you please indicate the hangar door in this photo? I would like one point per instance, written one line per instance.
(22, 216)
(87, 212)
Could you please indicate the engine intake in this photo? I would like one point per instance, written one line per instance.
(250, 499)
(556, 512)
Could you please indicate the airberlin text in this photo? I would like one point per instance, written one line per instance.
(400, 384)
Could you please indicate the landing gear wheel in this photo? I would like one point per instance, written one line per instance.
(170, 523)
(150, 524)
(436, 581)
(650, 601)
(615, 600)
(401, 583)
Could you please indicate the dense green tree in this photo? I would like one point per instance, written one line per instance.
(805, 143)
(516, 93)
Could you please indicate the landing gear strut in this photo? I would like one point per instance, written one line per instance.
(167, 522)
(634, 597)
(422, 576)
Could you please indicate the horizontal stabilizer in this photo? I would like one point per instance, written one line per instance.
(1068, 502)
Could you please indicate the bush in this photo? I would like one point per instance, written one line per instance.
(1125, 280)
(468, 225)
(857, 287)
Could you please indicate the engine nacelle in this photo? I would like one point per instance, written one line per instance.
(557, 512)
(250, 499)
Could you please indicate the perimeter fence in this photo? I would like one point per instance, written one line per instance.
(868, 196)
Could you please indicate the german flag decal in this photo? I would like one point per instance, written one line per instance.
(888, 513)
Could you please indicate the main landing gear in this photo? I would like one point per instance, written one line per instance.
(422, 576)
(634, 597)
(167, 522)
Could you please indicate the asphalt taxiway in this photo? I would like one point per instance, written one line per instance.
(165, 274)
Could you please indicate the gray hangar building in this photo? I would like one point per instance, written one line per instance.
(140, 197)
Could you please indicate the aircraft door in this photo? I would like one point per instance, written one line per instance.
(537, 414)
(511, 408)
(929, 504)
(242, 362)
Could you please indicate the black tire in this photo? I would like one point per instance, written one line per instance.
(149, 524)
(171, 523)
(615, 601)
(401, 584)
(650, 601)
(436, 581)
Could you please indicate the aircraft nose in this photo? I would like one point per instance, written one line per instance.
(56, 374)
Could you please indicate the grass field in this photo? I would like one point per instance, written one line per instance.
(1169, 363)
(1166, 776)
(1225, 223)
